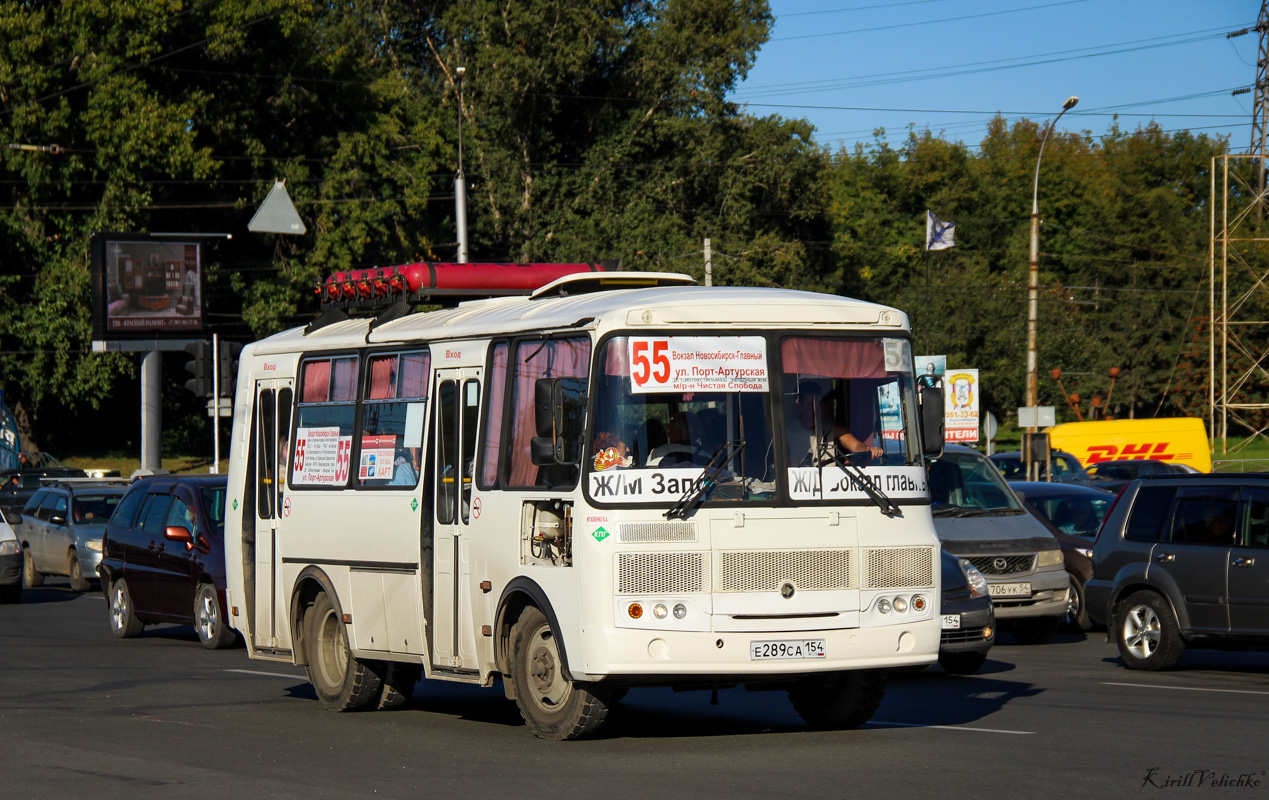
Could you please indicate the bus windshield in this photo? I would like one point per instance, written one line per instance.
(670, 411)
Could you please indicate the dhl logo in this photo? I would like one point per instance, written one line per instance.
(1136, 452)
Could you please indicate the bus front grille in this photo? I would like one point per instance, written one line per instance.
(662, 573)
(657, 532)
(767, 571)
(898, 567)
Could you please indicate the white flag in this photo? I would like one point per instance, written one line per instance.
(939, 235)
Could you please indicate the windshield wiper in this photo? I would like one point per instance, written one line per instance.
(713, 468)
(865, 484)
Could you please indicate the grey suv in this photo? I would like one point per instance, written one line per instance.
(1183, 561)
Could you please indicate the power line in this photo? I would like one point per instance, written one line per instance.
(926, 22)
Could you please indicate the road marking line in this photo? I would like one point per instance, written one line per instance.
(269, 674)
(949, 728)
(1182, 688)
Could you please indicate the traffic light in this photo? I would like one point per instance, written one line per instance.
(200, 367)
(228, 367)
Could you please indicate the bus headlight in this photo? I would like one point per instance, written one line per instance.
(883, 606)
(918, 603)
(660, 611)
(900, 604)
(635, 611)
(680, 611)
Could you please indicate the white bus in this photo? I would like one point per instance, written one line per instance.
(620, 480)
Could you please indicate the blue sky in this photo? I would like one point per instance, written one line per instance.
(852, 66)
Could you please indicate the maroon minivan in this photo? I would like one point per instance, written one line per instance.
(163, 558)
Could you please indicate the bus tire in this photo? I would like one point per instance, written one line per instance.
(123, 619)
(552, 705)
(398, 680)
(341, 682)
(839, 700)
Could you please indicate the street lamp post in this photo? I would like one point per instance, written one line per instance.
(1033, 277)
(460, 180)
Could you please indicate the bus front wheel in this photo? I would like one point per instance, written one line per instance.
(839, 700)
(341, 682)
(552, 705)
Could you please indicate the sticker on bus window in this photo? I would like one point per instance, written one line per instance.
(835, 483)
(321, 457)
(377, 455)
(698, 364)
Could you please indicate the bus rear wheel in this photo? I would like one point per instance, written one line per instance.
(552, 705)
(341, 682)
(839, 700)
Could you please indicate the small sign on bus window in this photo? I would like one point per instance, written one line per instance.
(698, 364)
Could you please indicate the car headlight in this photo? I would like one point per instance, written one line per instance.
(94, 545)
(10, 547)
(977, 583)
(1084, 551)
(1049, 558)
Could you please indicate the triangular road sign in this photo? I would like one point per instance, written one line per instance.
(277, 214)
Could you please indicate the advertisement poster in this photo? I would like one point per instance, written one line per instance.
(698, 364)
(153, 286)
(930, 371)
(960, 405)
(321, 457)
(377, 456)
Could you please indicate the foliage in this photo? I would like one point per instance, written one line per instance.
(1123, 254)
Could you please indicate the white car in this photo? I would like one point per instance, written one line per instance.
(10, 564)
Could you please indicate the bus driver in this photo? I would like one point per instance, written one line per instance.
(809, 430)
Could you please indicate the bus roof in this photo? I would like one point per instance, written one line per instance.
(677, 305)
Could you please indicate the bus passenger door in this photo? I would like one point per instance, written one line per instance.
(273, 428)
(454, 445)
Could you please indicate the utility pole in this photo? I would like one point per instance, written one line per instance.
(709, 264)
(1260, 111)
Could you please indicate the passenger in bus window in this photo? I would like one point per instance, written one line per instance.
(404, 469)
(811, 431)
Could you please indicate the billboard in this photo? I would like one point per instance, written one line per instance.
(146, 287)
(960, 405)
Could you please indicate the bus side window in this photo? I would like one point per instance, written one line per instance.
(391, 436)
(534, 360)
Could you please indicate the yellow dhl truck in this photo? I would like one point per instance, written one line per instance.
(1176, 440)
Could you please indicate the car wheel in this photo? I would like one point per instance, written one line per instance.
(551, 703)
(1147, 633)
(210, 622)
(962, 663)
(77, 580)
(1076, 615)
(11, 594)
(123, 620)
(30, 575)
(1038, 630)
(839, 700)
(341, 682)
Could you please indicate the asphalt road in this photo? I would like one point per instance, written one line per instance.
(85, 715)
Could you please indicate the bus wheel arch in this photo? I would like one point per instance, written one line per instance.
(311, 582)
(520, 594)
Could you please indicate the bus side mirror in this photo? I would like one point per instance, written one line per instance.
(931, 403)
(559, 409)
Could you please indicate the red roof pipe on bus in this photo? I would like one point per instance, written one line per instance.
(423, 281)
